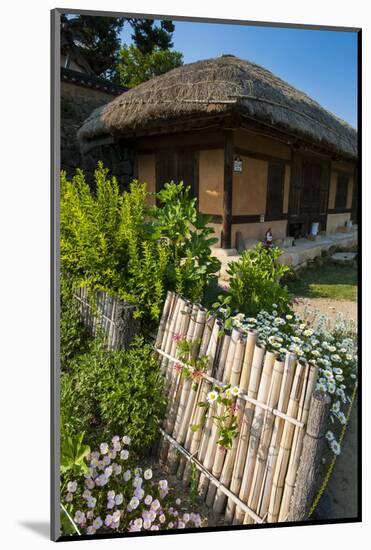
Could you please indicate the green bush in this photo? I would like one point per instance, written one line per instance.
(74, 338)
(114, 392)
(191, 267)
(115, 242)
(254, 283)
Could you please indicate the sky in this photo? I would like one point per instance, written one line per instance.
(321, 63)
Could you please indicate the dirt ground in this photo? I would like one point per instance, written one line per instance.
(331, 308)
(340, 497)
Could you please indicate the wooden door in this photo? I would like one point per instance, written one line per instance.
(178, 165)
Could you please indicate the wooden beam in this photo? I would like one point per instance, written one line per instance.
(226, 237)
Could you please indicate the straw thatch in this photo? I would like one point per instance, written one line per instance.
(219, 86)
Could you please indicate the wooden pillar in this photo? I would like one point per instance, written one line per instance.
(226, 237)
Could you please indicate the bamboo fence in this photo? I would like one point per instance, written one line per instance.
(252, 481)
(104, 314)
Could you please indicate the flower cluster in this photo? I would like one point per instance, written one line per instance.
(194, 365)
(332, 350)
(112, 496)
(225, 415)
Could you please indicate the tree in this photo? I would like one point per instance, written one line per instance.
(94, 38)
(135, 67)
(149, 37)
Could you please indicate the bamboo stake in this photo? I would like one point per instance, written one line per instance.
(177, 379)
(164, 319)
(247, 412)
(194, 438)
(255, 433)
(174, 319)
(180, 323)
(231, 376)
(268, 422)
(226, 474)
(288, 376)
(285, 446)
(187, 396)
(190, 412)
(297, 446)
(211, 442)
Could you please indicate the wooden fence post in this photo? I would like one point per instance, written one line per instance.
(310, 461)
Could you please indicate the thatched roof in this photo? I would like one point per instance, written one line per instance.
(223, 85)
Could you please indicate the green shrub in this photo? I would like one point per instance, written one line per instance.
(191, 267)
(254, 283)
(74, 339)
(113, 392)
(115, 242)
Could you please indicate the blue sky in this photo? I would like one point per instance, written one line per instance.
(322, 64)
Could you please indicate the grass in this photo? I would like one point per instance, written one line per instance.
(328, 280)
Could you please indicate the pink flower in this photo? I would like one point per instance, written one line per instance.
(178, 367)
(177, 336)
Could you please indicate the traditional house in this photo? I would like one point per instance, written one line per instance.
(256, 152)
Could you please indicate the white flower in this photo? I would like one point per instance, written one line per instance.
(178, 502)
(335, 447)
(97, 523)
(117, 468)
(341, 416)
(308, 332)
(212, 396)
(134, 503)
(137, 481)
(72, 486)
(119, 499)
(90, 530)
(108, 471)
(163, 484)
(106, 460)
(148, 500)
(86, 494)
(146, 524)
(79, 517)
(336, 407)
(162, 518)
(91, 502)
(235, 391)
(331, 387)
(147, 474)
(155, 504)
(137, 471)
(124, 455)
(127, 475)
(138, 522)
(186, 518)
(103, 448)
(328, 374)
(69, 497)
(329, 436)
(89, 483)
